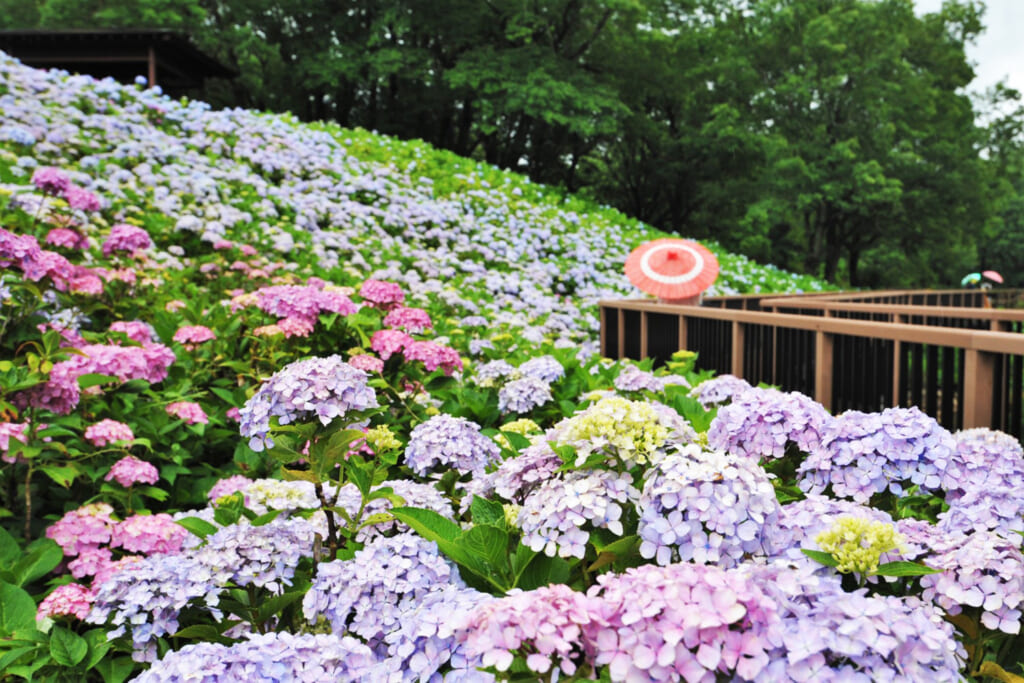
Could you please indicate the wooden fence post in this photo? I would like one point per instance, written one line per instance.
(979, 375)
(823, 344)
(738, 334)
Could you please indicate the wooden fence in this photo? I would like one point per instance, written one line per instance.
(949, 352)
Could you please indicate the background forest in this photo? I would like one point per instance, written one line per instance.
(832, 137)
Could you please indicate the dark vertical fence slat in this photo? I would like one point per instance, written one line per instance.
(631, 340)
(931, 380)
(611, 335)
(948, 388)
(662, 336)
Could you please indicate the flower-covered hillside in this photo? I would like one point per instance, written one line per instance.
(291, 403)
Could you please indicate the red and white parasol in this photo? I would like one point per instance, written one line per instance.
(672, 269)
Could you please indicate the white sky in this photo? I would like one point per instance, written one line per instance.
(999, 51)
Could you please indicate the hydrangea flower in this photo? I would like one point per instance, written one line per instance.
(264, 495)
(68, 600)
(325, 388)
(858, 544)
(412, 320)
(81, 199)
(194, 334)
(130, 470)
(125, 237)
(545, 368)
(718, 390)
(135, 330)
(523, 395)
(148, 534)
(448, 441)
(762, 423)
(680, 622)
(67, 238)
(369, 594)
(389, 342)
(554, 515)
(148, 595)
(863, 454)
(18, 431)
(189, 411)
(631, 431)
(274, 656)
(228, 485)
(434, 356)
(542, 626)
(50, 180)
(367, 363)
(304, 302)
(800, 522)
(87, 527)
(632, 378)
(262, 556)
(515, 478)
(381, 294)
(106, 432)
(486, 374)
(706, 506)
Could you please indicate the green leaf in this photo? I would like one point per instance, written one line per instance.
(206, 632)
(490, 545)
(67, 647)
(518, 441)
(266, 518)
(115, 670)
(198, 527)
(93, 379)
(62, 474)
(277, 604)
(487, 512)
(427, 523)
(17, 610)
(10, 550)
(821, 556)
(903, 568)
(98, 644)
(11, 656)
(41, 560)
(543, 571)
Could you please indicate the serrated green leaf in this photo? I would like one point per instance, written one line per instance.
(8, 658)
(98, 644)
(197, 527)
(115, 670)
(10, 550)
(486, 511)
(62, 474)
(43, 557)
(67, 647)
(17, 610)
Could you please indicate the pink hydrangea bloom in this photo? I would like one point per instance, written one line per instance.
(67, 238)
(124, 237)
(149, 534)
(87, 527)
(381, 294)
(134, 329)
(295, 327)
(193, 334)
(90, 561)
(80, 198)
(248, 250)
(366, 362)
(222, 244)
(413, 320)
(302, 301)
(389, 342)
(71, 600)
(227, 486)
(105, 572)
(108, 431)
(233, 414)
(50, 180)
(130, 470)
(433, 356)
(191, 413)
(11, 430)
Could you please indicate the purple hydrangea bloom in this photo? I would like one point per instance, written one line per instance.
(424, 640)
(523, 395)
(706, 506)
(762, 423)
(718, 390)
(487, 373)
(124, 237)
(983, 482)
(516, 477)
(297, 658)
(369, 594)
(453, 442)
(147, 597)
(632, 378)
(546, 368)
(262, 556)
(50, 180)
(555, 513)
(413, 493)
(326, 388)
(863, 454)
(998, 508)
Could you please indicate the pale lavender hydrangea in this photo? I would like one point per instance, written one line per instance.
(554, 515)
(523, 395)
(998, 508)
(452, 442)
(516, 477)
(325, 388)
(369, 594)
(148, 595)
(546, 368)
(632, 378)
(706, 506)
(275, 656)
(863, 454)
(983, 458)
(486, 374)
(680, 622)
(763, 423)
(262, 556)
(718, 390)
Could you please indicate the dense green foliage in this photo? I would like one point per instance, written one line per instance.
(833, 137)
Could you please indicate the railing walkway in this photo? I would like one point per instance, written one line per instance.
(952, 353)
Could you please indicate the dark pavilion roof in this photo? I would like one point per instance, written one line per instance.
(166, 58)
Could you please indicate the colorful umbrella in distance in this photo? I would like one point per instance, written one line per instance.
(672, 269)
(993, 276)
(971, 279)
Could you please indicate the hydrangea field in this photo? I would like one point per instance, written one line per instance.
(286, 402)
